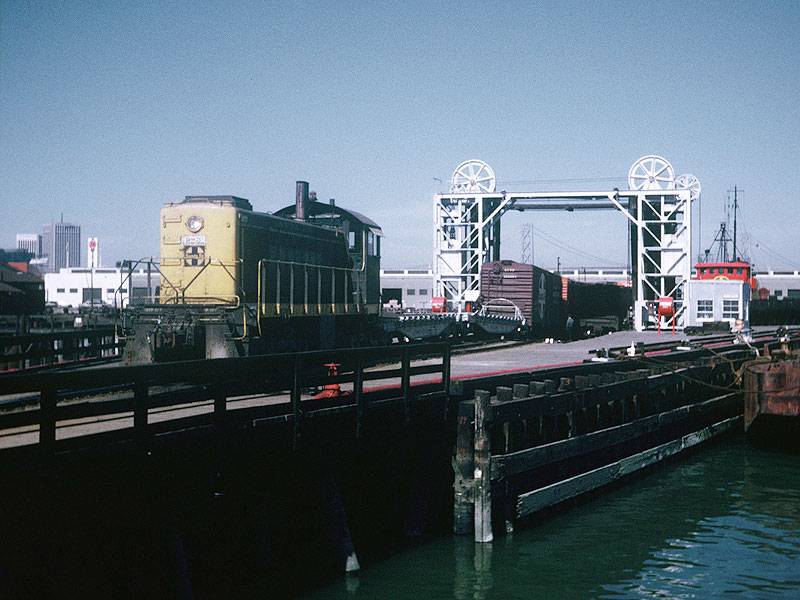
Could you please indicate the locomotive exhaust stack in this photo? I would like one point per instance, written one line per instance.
(301, 201)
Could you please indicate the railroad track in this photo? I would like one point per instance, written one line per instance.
(22, 402)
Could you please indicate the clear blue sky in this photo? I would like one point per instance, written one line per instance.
(109, 109)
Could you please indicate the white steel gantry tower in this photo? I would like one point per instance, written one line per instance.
(657, 206)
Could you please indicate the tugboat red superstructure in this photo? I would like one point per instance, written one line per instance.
(734, 270)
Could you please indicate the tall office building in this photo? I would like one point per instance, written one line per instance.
(61, 243)
(30, 242)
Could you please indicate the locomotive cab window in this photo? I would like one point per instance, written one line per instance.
(373, 244)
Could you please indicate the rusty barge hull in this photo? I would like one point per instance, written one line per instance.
(772, 397)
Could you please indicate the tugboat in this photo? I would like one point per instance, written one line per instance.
(723, 269)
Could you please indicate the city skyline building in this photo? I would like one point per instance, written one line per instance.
(30, 242)
(61, 243)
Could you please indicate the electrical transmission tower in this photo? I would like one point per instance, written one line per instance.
(527, 244)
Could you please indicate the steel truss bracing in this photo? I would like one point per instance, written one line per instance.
(467, 234)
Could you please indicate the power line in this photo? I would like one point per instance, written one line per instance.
(567, 247)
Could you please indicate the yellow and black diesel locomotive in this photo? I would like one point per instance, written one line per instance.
(235, 282)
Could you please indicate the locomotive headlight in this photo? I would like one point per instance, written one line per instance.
(194, 223)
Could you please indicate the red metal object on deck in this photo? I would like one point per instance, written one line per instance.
(666, 309)
(331, 390)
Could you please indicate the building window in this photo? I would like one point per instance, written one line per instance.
(705, 309)
(73, 290)
(423, 292)
(730, 308)
(59, 290)
(109, 290)
(92, 294)
(410, 292)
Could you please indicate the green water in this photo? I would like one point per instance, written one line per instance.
(721, 523)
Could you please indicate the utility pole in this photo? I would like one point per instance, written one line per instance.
(558, 264)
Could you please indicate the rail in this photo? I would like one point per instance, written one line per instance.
(209, 393)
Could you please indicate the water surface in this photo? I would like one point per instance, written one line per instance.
(721, 523)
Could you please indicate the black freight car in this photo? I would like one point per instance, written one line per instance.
(535, 291)
(597, 307)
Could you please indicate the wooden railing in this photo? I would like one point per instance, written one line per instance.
(28, 351)
(210, 389)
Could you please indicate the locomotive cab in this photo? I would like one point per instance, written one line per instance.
(363, 241)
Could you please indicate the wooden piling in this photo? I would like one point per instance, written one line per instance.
(482, 474)
(463, 467)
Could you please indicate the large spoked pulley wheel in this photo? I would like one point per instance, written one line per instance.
(473, 177)
(691, 183)
(651, 173)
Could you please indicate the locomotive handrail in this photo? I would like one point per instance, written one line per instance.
(131, 267)
(233, 300)
(261, 299)
(207, 263)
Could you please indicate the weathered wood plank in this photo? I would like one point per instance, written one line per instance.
(531, 458)
(585, 482)
(537, 406)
